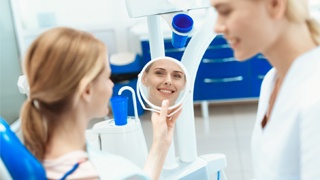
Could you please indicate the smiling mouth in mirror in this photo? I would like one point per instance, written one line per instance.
(163, 78)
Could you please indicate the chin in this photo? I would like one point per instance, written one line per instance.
(106, 112)
(241, 57)
(103, 114)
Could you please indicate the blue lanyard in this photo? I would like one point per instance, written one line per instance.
(70, 171)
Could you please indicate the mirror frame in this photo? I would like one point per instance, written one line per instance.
(154, 107)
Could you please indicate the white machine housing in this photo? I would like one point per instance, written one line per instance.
(140, 8)
(127, 140)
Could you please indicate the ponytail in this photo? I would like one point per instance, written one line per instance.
(33, 129)
(314, 28)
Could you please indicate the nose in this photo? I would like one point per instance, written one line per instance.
(220, 27)
(168, 80)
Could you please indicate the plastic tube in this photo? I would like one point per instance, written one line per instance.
(133, 99)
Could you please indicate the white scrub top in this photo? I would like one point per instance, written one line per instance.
(289, 145)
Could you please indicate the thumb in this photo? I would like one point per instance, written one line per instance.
(164, 109)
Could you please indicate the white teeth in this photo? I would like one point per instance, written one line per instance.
(166, 91)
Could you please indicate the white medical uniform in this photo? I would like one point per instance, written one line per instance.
(288, 147)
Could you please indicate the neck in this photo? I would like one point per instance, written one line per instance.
(68, 135)
(293, 41)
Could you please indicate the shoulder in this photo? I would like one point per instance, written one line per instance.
(57, 168)
(307, 63)
(307, 73)
(305, 82)
(110, 166)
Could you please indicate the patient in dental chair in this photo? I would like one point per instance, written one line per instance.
(69, 79)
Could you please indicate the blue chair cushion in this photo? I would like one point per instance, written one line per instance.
(20, 163)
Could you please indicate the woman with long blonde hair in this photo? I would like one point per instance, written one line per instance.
(285, 141)
(69, 78)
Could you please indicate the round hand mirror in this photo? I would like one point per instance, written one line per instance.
(163, 78)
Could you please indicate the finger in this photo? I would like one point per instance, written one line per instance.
(172, 112)
(164, 109)
(174, 118)
(177, 112)
(153, 116)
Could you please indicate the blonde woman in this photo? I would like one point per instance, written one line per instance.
(285, 140)
(69, 79)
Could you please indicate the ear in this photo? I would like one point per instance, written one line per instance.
(277, 8)
(143, 79)
(87, 93)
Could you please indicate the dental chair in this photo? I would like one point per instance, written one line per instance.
(17, 159)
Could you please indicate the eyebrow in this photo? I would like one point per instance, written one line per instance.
(159, 68)
(178, 72)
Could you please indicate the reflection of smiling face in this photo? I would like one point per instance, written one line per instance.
(165, 79)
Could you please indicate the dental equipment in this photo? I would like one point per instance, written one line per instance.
(125, 140)
(190, 165)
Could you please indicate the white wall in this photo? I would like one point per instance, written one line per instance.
(107, 19)
(96, 16)
(71, 12)
(10, 98)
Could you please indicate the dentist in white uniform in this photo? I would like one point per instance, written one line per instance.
(285, 139)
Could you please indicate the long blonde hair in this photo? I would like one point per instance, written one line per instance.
(297, 11)
(58, 64)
